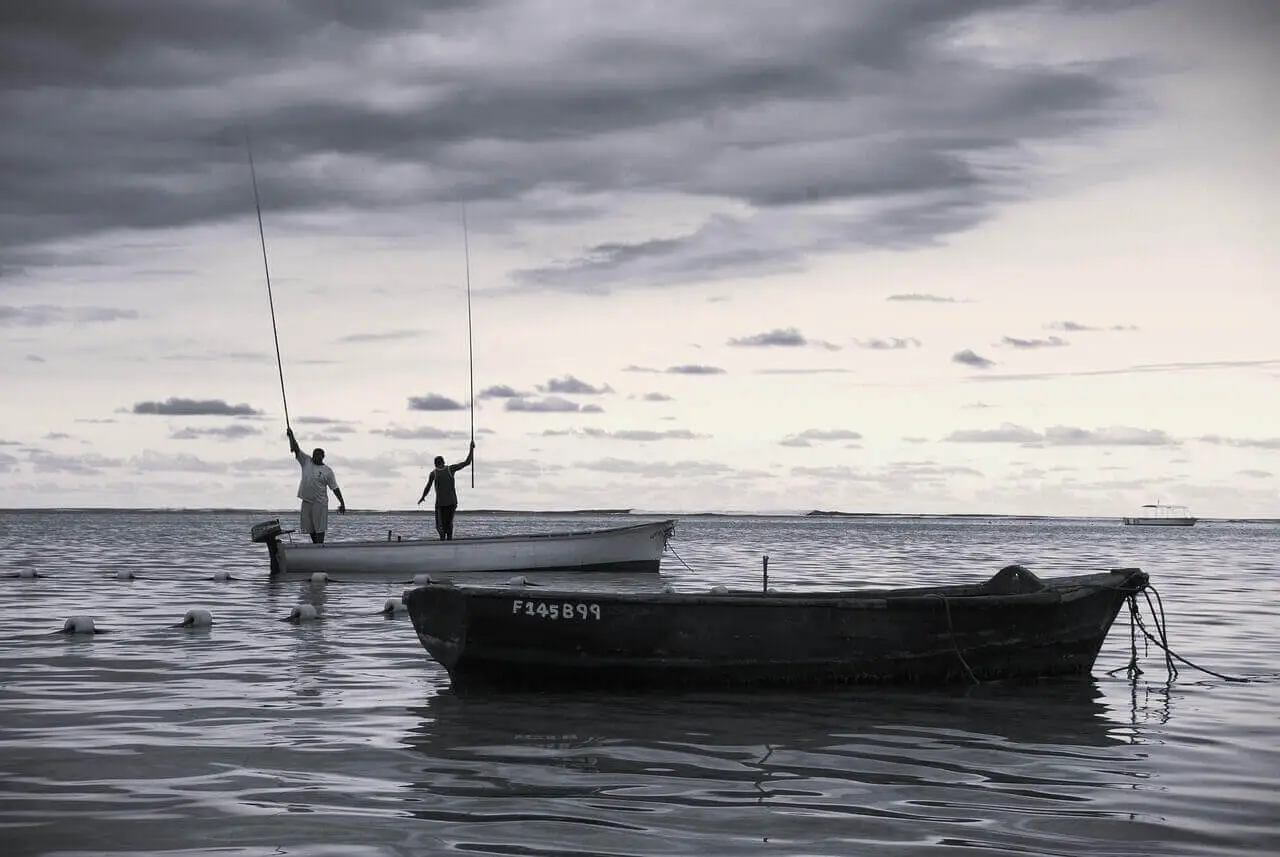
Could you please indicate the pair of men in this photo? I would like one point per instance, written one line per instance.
(318, 479)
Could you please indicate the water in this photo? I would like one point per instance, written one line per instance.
(257, 736)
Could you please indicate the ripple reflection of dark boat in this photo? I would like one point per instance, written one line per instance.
(1046, 719)
(1012, 626)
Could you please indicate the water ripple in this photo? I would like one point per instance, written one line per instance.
(257, 736)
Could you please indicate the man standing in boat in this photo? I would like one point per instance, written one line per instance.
(446, 494)
(313, 490)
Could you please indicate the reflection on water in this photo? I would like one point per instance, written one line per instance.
(339, 736)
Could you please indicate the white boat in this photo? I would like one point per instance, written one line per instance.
(636, 548)
(1162, 516)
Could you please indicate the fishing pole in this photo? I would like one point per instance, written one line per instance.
(466, 248)
(267, 270)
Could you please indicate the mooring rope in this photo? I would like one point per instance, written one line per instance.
(677, 556)
(1158, 619)
(951, 632)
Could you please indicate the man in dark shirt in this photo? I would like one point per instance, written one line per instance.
(446, 494)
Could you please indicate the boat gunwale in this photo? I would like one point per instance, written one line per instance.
(1055, 591)
(555, 535)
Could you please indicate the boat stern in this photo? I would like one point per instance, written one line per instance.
(439, 614)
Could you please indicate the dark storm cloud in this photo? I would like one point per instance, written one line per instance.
(1065, 436)
(178, 407)
(695, 369)
(895, 343)
(128, 115)
(1028, 344)
(571, 386)
(232, 432)
(434, 402)
(789, 337)
(967, 357)
(47, 316)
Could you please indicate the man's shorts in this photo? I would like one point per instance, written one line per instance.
(314, 517)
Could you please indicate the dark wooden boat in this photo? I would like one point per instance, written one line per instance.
(1013, 626)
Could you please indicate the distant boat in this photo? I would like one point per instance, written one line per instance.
(636, 548)
(1012, 626)
(1162, 516)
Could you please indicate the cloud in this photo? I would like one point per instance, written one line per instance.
(231, 432)
(695, 369)
(1140, 369)
(635, 368)
(638, 435)
(319, 421)
(656, 397)
(1064, 436)
(383, 336)
(501, 391)
(917, 297)
(1255, 474)
(809, 436)
(47, 316)
(571, 386)
(967, 357)
(828, 370)
(1241, 442)
(550, 405)
(34, 358)
(178, 407)
(1077, 327)
(781, 338)
(868, 126)
(421, 433)
(434, 402)
(1051, 342)
(657, 469)
(57, 435)
(895, 343)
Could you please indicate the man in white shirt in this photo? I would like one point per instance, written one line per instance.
(313, 490)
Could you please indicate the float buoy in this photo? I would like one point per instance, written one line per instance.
(197, 617)
(303, 613)
(79, 625)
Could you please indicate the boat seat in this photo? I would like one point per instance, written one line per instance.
(1013, 580)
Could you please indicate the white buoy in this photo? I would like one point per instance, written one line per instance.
(393, 605)
(518, 580)
(319, 578)
(222, 576)
(720, 589)
(124, 574)
(303, 613)
(79, 625)
(422, 580)
(197, 617)
(27, 573)
(668, 588)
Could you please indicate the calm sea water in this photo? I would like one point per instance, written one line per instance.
(257, 736)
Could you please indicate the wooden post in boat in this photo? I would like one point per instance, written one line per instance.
(765, 587)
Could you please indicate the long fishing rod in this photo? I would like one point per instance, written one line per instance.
(267, 270)
(466, 247)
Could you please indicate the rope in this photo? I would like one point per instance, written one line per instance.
(951, 632)
(677, 556)
(1162, 640)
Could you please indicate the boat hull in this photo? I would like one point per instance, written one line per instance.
(1160, 522)
(519, 638)
(636, 548)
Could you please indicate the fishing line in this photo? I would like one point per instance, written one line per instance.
(267, 270)
(466, 248)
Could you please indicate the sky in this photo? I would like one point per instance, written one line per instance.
(918, 256)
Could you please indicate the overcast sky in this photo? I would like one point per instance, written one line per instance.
(905, 256)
